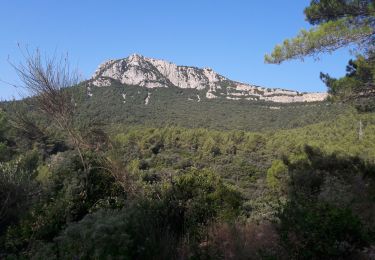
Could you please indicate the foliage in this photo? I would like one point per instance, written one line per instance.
(276, 174)
(6, 140)
(150, 228)
(321, 11)
(171, 107)
(337, 24)
(357, 85)
(68, 196)
(328, 37)
(194, 192)
(16, 187)
(315, 230)
(241, 240)
(317, 221)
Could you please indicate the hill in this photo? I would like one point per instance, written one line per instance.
(158, 107)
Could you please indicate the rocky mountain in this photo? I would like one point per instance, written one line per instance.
(137, 70)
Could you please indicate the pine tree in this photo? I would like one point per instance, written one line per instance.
(337, 24)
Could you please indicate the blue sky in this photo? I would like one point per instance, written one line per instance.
(229, 36)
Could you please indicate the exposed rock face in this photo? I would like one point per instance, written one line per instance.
(147, 100)
(151, 73)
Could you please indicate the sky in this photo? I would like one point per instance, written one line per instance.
(229, 36)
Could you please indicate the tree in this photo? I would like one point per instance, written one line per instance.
(46, 80)
(358, 85)
(49, 82)
(277, 175)
(337, 24)
(320, 219)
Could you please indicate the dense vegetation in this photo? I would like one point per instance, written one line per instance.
(172, 107)
(190, 193)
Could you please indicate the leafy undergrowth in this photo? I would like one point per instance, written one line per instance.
(186, 193)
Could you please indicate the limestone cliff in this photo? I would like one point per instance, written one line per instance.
(152, 73)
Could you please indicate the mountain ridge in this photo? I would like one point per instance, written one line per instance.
(155, 73)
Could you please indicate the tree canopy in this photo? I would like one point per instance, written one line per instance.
(357, 85)
(337, 24)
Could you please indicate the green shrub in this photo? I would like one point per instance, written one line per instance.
(319, 230)
(313, 226)
(16, 186)
(151, 228)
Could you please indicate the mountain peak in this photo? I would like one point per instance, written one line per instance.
(155, 73)
(136, 55)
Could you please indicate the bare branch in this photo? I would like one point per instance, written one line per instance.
(46, 80)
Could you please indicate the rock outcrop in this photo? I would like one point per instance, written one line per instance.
(152, 73)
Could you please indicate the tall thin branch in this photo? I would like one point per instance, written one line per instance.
(46, 80)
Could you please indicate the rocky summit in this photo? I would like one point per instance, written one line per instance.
(145, 72)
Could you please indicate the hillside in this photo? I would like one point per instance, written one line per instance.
(145, 91)
(156, 93)
(126, 104)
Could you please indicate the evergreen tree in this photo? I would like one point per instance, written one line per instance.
(337, 24)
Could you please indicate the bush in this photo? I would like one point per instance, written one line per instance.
(199, 196)
(16, 185)
(240, 241)
(319, 230)
(315, 226)
(99, 235)
(277, 175)
(151, 228)
(67, 197)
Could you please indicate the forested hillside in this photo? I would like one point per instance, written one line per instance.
(190, 108)
(178, 192)
(183, 108)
